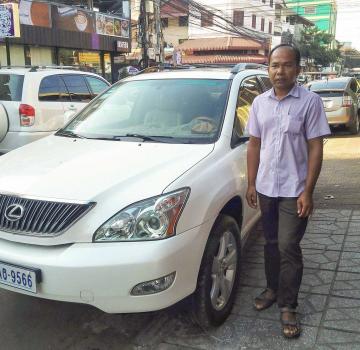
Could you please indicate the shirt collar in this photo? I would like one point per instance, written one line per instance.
(294, 92)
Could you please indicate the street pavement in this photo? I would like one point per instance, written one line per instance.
(329, 302)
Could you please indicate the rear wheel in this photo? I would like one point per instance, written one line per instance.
(219, 274)
(354, 127)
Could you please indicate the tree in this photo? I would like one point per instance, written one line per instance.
(314, 45)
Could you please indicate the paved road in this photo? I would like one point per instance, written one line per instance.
(329, 298)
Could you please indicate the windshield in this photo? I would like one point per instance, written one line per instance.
(166, 110)
(11, 87)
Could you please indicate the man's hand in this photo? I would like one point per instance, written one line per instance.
(251, 197)
(305, 205)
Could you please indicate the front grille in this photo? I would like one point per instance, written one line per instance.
(39, 217)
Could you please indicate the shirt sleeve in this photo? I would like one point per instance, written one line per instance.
(252, 127)
(316, 123)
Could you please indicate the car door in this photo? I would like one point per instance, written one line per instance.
(248, 90)
(79, 92)
(52, 98)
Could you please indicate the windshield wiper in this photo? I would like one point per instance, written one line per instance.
(68, 133)
(146, 137)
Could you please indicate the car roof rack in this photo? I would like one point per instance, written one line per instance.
(242, 66)
(35, 68)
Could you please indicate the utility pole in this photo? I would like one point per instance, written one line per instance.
(158, 30)
(143, 31)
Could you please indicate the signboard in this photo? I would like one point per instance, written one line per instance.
(35, 13)
(122, 46)
(109, 25)
(9, 21)
(72, 18)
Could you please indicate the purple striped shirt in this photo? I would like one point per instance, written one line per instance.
(284, 126)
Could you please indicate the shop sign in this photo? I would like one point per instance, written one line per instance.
(9, 21)
(122, 46)
(35, 13)
(89, 57)
(71, 18)
(113, 26)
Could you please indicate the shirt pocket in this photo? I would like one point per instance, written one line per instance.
(293, 124)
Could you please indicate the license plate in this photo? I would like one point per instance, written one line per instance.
(19, 277)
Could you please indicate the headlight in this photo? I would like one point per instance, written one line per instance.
(153, 218)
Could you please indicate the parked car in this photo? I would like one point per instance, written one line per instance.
(341, 101)
(38, 101)
(139, 201)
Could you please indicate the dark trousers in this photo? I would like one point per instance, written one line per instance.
(283, 231)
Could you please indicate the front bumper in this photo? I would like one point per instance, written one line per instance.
(103, 274)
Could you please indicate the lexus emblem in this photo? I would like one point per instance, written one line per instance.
(14, 212)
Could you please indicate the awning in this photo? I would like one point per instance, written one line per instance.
(221, 44)
(209, 59)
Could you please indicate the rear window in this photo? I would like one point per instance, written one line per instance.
(329, 93)
(327, 84)
(11, 87)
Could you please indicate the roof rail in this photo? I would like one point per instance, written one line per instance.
(34, 68)
(242, 66)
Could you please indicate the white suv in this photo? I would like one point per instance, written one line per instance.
(139, 201)
(35, 102)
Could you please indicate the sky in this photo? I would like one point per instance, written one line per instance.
(348, 22)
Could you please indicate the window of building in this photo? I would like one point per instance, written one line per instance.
(264, 1)
(164, 22)
(52, 88)
(310, 10)
(271, 3)
(238, 18)
(270, 27)
(262, 24)
(253, 21)
(207, 19)
(77, 87)
(183, 21)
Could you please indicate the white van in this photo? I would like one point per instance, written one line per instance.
(35, 102)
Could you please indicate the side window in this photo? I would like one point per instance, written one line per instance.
(77, 88)
(52, 88)
(249, 89)
(96, 85)
(266, 83)
(353, 86)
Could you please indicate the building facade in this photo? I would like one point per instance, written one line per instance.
(53, 33)
(323, 13)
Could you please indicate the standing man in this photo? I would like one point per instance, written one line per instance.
(285, 152)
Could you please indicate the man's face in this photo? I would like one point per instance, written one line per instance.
(283, 69)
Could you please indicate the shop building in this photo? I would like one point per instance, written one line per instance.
(59, 34)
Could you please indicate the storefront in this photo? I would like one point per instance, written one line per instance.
(56, 34)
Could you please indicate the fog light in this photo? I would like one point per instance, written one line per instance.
(154, 286)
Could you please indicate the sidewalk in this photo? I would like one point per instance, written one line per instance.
(329, 301)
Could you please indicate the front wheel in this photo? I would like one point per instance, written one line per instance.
(219, 274)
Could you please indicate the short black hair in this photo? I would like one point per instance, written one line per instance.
(290, 46)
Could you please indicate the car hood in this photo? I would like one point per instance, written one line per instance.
(81, 169)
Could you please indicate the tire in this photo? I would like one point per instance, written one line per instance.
(354, 127)
(211, 305)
